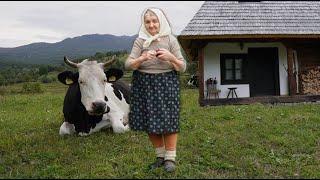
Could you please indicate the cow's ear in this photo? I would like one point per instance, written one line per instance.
(113, 74)
(68, 77)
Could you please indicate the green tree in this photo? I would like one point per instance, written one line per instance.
(43, 70)
(2, 80)
(99, 55)
(192, 67)
(51, 68)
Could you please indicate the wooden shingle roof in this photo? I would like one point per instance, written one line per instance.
(216, 18)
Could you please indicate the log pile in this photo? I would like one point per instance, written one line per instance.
(310, 81)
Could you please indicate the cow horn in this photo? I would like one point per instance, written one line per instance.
(112, 60)
(71, 64)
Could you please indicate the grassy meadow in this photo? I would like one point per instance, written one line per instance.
(247, 141)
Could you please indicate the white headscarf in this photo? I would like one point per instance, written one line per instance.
(165, 28)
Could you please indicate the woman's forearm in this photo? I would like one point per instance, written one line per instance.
(178, 65)
(134, 63)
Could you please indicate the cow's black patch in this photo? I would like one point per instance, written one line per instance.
(108, 109)
(120, 86)
(105, 98)
(117, 93)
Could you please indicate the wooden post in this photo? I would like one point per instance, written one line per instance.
(201, 74)
(291, 77)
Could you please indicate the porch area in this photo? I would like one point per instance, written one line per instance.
(260, 99)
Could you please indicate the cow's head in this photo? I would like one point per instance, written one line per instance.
(92, 81)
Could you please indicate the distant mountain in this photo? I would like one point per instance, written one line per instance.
(52, 53)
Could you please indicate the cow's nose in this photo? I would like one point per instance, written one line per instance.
(99, 107)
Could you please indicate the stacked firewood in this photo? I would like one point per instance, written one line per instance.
(310, 81)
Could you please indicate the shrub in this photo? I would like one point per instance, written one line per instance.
(31, 88)
(53, 77)
(47, 78)
(184, 78)
(3, 90)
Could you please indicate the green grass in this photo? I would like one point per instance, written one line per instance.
(248, 141)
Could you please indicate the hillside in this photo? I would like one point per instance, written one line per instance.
(52, 53)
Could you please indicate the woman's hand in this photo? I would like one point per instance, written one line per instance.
(147, 55)
(165, 55)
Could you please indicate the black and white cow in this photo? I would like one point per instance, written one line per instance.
(193, 81)
(95, 99)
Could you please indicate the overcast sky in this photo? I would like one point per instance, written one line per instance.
(28, 22)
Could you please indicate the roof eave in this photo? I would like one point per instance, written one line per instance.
(189, 42)
(251, 36)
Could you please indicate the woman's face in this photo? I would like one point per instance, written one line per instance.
(152, 24)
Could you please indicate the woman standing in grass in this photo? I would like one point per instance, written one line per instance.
(156, 58)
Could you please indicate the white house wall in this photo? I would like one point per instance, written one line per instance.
(212, 65)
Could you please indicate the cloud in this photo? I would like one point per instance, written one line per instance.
(55, 21)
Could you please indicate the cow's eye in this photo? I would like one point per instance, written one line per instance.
(81, 82)
(105, 80)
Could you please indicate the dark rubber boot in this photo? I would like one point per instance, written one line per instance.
(158, 163)
(169, 165)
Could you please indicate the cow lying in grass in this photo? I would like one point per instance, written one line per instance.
(95, 99)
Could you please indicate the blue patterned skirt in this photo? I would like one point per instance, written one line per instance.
(155, 102)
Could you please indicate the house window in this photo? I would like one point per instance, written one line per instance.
(233, 68)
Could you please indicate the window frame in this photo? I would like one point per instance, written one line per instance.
(223, 58)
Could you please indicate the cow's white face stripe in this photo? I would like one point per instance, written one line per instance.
(92, 83)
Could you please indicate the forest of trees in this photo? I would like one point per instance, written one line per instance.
(18, 73)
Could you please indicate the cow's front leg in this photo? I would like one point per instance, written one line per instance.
(66, 128)
(100, 125)
(116, 120)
